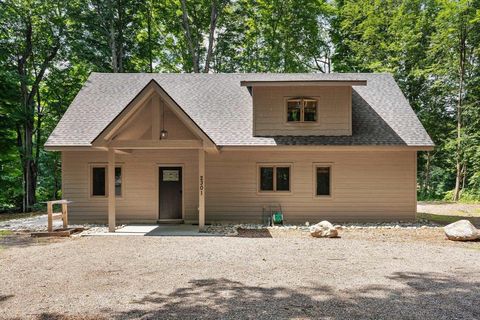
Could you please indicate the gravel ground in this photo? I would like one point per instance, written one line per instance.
(446, 208)
(368, 273)
(39, 223)
(36, 223)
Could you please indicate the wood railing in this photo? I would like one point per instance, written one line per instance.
(57, 215)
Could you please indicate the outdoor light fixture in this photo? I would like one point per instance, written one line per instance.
(163, 133)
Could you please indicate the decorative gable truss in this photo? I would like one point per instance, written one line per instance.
(153, 120)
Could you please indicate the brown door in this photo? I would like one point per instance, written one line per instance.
(170, 192)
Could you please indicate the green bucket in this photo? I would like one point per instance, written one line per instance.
(277, 217)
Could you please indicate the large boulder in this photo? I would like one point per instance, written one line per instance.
(462, 230)
(323, 229)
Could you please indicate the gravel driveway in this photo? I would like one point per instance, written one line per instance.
(449, 208)
(36, 223)
(367, 274)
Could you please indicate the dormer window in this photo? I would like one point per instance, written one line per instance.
(301, 110)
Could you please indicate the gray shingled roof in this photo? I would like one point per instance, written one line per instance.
(222, 108)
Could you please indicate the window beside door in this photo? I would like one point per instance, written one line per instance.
(99, 179)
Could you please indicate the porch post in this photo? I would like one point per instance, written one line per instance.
(201, 189)
(111, 190)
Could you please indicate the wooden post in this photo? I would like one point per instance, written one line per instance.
(50, 216)
(155, 105)
(111, 190)
(201, 189)
(65, 215)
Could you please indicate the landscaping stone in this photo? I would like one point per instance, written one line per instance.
(323, 229)
(231, 229)
(462, 230)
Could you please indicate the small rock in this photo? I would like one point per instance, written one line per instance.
(323, 229)
(462, 230)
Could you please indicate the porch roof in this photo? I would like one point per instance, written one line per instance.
(222, 108)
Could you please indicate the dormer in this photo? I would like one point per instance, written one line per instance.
(302, 108)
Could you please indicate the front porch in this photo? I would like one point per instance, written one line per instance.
(145, 178)
(149, 230)
(153, 123)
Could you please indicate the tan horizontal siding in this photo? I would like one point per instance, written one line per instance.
(366, 185)
(333, 111)
(140, 184)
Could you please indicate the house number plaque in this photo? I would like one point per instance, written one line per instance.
(201, 185)
(170, 175)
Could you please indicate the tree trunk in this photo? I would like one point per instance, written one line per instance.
(56, 181)
(121, 49)
(464, 175)
(426, 181)
(188, 36)
(113, 47)
(459, 161)
(26, 128)
(149, 32)
(211, 36)
(29, 165)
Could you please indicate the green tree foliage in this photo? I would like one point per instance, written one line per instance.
(453, 66)
(48, 48)
(431, 47)
(31, 39)
(274, 36)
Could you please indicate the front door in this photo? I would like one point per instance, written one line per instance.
(170, 193)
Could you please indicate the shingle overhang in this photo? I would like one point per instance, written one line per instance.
(300, 83)
(222, 108)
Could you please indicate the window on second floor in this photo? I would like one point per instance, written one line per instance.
(301, 110)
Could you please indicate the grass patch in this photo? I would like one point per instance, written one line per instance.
(5, 233)
(437, 202)
(461, 213)
(443, 219)
(12, 216)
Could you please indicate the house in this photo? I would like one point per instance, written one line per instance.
(205, 148)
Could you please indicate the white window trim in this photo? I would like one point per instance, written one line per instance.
(90, 180)
(314, 180)
(274, 165)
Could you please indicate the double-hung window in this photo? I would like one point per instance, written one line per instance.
(301, 110)
(99, 186)
(274, 178)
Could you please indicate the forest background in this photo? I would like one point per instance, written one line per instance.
(48, 48)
